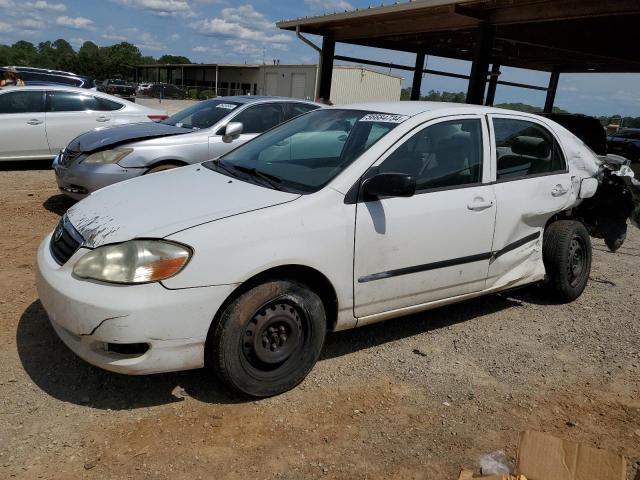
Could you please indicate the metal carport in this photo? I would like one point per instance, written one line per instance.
(556, 36)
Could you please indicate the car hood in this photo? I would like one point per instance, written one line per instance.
(112, 136)
(158, 205)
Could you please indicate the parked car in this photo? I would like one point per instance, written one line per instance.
(143, 88)
(119, 88)
(165, 90)
(37, 122)
(339, 218)
(43, 76)
(198, 133)
(588, 129)
(626, 142)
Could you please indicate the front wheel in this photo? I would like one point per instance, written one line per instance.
(269, 338)
(566, 252)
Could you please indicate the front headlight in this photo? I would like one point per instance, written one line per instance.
(136, 261)
(108, 156)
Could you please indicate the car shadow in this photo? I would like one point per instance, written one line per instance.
(58, 204)
(60, 373)
(350, 341)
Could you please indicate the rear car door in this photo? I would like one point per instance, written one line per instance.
(436, 244)
(532, 183)
(22, 125)
(69, 114)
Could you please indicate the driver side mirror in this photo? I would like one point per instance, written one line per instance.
(232, 131)
(390, 185)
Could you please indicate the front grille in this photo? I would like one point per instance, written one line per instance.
(68, 157)
(65, 241)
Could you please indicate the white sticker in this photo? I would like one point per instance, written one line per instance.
(228, 106)
(383, 117)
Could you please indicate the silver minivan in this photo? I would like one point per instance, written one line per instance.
(203, 131)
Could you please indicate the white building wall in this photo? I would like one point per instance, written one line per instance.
(350, 84)
(286, 80)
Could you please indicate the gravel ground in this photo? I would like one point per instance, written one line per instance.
(413, 398)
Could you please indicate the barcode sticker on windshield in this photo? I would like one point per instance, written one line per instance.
(228, 106)
(383, 117)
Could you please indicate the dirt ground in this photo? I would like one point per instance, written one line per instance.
(413, 398)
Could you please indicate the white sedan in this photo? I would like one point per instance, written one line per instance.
(37, 122)
(338, 218)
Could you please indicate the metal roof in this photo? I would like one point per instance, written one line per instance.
(562, 35)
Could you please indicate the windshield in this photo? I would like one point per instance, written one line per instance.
(305, 154)
(202, 114)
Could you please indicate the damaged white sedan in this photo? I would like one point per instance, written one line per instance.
(339, 218)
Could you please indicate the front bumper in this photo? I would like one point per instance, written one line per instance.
(88, 316)
(81, 179)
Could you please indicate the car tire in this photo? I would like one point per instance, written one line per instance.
(566, 252)
(268, 339)
(162, 168)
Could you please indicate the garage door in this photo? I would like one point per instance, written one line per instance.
(298, 83)
(272, 84)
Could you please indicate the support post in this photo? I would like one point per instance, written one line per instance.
(417, 77)
(493, 85)
(326, 68)
(480, 67)
(551, 91)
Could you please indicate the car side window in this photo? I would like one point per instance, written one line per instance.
(71, 102)
(260, 118)
(21, 102)
(524, 149)
(106, 105)
(294, 109)
(447, 154)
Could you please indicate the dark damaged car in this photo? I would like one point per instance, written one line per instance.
(203, 131)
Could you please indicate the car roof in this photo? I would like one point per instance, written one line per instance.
(46, 70)
(412, 108)
(261, 98)
(54, 88)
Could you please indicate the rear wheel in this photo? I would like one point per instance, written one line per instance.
(566, 252)
(269, 338)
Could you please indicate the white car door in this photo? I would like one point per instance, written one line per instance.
(255, 120)
(71, 113)
(533, 183)
(22, 125)
(436, 244)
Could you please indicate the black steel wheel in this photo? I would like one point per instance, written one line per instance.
(566, 252)
(268, 339)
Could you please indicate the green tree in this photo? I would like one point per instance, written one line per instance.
(66, 58)
(90, 60)
(24, 53)
(173, 59)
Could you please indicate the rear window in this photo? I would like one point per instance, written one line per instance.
(202, 115)
(71, 102)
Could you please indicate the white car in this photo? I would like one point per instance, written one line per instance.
(37, 122)
(338, 218)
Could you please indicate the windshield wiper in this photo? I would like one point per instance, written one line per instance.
(269, 178)
(218, 163)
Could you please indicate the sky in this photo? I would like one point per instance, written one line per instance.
(224, 31)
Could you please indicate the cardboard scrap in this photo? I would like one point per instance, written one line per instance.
(545, 457)
(468, 475)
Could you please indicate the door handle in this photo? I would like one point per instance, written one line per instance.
(480, 205)
(34, 121)
(102, 119)
(559, 190)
